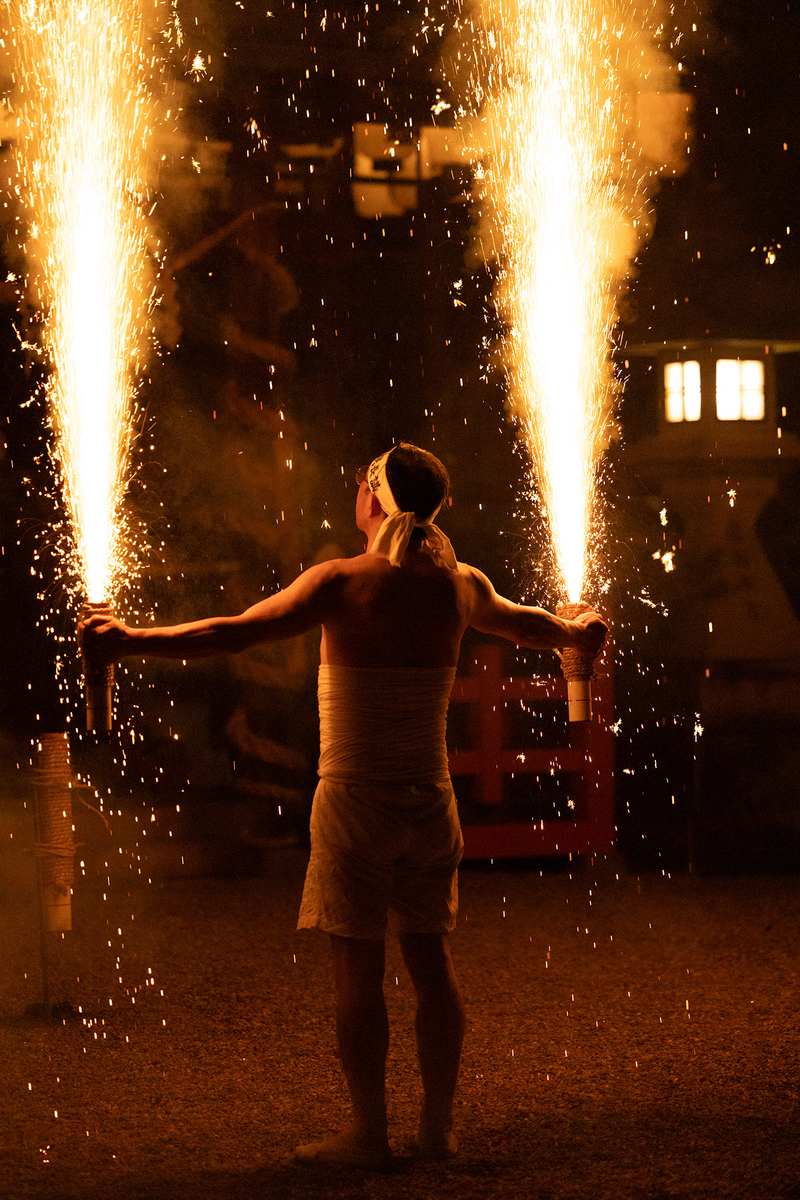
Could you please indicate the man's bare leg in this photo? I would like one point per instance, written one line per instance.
(362, 1029)
(440, 1024)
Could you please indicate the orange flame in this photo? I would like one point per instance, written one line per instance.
(565, 183)
(84, 116)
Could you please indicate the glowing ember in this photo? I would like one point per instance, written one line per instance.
(84, 112)
(555, 82)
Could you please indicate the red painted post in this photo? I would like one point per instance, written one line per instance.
(587, 762)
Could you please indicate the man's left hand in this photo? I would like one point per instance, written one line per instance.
(102, 639)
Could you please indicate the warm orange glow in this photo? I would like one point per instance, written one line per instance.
(84, 117)
(557, 85)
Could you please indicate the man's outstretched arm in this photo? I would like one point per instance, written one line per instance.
(528, 626)
(300, 607)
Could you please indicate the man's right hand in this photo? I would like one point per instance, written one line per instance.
(591, 633)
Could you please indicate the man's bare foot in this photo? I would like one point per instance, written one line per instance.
(436, 1145)
(346, 1149)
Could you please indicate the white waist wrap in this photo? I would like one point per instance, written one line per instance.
(384, 725)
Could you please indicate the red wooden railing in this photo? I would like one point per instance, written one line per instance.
(587, 762)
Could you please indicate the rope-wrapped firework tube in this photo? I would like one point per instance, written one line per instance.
(577, 669)
(98, 680)
(54, 846)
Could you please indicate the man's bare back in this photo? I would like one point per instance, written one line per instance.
(384, 616)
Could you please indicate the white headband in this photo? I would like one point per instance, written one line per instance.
(394, 534)
(379, 486)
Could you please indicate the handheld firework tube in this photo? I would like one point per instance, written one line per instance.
(577, 669)
(54, 847)
(98, 680)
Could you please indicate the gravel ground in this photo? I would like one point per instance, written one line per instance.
(628, 1038)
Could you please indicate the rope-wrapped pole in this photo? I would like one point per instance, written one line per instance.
(578, 670)
(54, 847)
(98, 680)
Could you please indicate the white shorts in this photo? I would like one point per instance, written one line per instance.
(381, 847)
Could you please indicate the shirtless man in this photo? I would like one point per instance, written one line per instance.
(384, 826)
